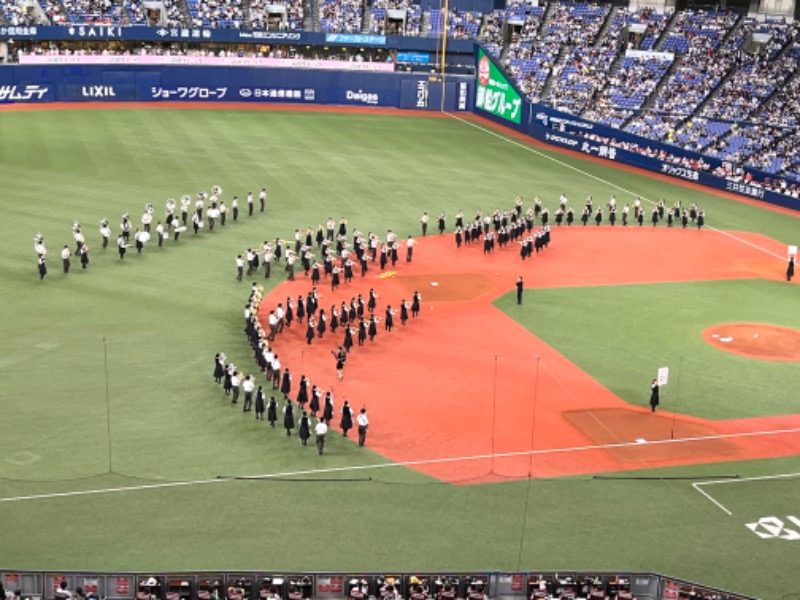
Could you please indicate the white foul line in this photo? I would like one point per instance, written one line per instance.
(697, 484)
(529, 148)
(707, 495)
(389, 465)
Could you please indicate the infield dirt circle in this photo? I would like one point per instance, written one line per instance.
(766, 342)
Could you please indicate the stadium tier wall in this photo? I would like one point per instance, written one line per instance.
(252, 585)
(120, 83)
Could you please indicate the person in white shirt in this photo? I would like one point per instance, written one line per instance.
(320, 429)
(262, 198)
(248, 386)
(273, 325)
(65, 254)
(239, 267)
(249, 204)
(276, 372)
(363, 425)
(147, 218)
(235, 381)
(78, 237)
(139, 239)
(105, 232)
(160, 233)
(62, 593)
(266, 259)
(409, 248)
(199, 205)
(280, 313)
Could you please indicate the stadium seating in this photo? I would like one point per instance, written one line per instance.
(412, 12)
(341, 16)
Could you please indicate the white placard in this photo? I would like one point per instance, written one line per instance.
(792, 250)
(663, 376)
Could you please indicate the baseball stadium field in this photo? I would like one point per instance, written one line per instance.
(503, 436)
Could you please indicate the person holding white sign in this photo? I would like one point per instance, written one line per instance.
(654, 387)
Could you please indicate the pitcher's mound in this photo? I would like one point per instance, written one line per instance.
(753, 340)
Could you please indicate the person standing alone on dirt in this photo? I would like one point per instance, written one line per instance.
(654, 391)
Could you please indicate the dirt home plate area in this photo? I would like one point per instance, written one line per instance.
(458, 394)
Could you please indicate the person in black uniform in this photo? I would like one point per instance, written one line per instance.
(260, 403)
(272, 411)
(415, 301)
(327, 411)
(286, 383)
(654, 400)
(346, 423)
(42, 266)
(440, 224)
(288, 417)
(302, 392)
(348, 337)
(340, 354)
(304, 429)
(389, 320)
(373, 328)
(362, 332)
(790, 269)
(520, 288)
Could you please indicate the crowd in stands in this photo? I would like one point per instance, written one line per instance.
(379, 22)
(341, 16)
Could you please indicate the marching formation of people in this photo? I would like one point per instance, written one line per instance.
(531, 228)
(303, 405)
(205, 211)
(325, 252)
(501, 228)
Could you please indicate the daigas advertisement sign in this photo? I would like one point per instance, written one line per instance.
(494, 93)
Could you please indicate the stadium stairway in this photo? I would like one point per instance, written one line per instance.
(659, 45)
(311, 20)
(366, 20)
(245, 6)
(606, 26)
(558, 65)
(651, 99)
(186, 16)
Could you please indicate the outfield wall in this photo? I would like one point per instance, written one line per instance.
(298, 84)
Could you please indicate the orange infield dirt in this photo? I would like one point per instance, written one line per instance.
(754, 340)
(454, 393)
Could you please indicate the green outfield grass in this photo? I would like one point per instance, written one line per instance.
(635, 329)
(106, 374)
